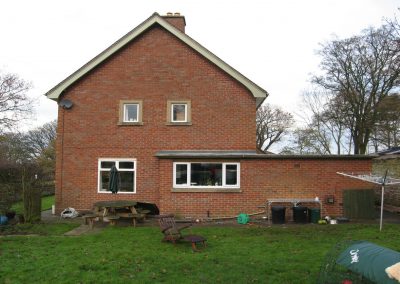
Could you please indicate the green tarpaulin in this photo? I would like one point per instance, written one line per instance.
(369, 260)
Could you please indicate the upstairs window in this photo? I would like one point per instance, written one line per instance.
(130, 113)
(178, 112)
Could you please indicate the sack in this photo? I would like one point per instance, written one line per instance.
(69, 213)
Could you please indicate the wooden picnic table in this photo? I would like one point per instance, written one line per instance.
(115, 204)
(118, 208)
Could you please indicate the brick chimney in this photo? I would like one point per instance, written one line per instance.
(176, 20)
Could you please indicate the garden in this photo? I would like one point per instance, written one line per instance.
(234, 254)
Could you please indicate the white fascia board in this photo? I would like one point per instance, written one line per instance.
(259, 93)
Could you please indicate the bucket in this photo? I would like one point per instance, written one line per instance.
(3, 220)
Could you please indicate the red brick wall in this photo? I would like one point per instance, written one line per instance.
(155, 67)
(264, 179)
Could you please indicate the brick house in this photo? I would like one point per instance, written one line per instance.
(179, 124)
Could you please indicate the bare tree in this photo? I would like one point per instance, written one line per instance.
(324, 117)
(41, 137)
(386, 133)
(305, 141)
(272, 124)
(19, 148)
(361, 71)
(15, 105)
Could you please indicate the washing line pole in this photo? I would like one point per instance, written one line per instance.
(379, 180)
(382, 197)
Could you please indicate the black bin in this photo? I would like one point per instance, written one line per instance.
(300, 214)
(278, 214)
(314, 215)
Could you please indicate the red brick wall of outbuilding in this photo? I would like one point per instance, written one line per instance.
(263, 179)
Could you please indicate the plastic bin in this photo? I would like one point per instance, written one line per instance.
(314, 215)
(3, 220)
(278, 214)
(300, 214)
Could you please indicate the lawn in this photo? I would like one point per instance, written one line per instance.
(47, 201)
(246, 254)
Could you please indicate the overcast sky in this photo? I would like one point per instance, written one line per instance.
(273, 43)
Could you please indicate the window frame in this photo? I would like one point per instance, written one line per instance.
(125, 110)
(188, 176)
(122, 108)
(170, 112)
(117, 161)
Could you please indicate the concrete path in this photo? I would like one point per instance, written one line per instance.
(83, 229)
(47, 217)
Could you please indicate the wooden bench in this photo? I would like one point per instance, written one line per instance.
(113, 219)
(89, 219)
(135, 217)
(143, 211)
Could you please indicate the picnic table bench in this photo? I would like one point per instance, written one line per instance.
(114, 210)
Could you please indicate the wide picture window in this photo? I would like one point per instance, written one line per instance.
(206, 175)
(126, 171)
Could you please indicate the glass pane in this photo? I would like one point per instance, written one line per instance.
(179, 112)
(181, 174)
(131, 112)
(204, 174)
(126, 165)
(104, 180)
(127, 181)
(231, 175)
(107, 165)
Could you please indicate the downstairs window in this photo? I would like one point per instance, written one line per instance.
(127, 172)
(206, 175)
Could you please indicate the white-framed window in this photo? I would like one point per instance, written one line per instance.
(179, 112)
(206, 175)
(131, 112)
(126, 170)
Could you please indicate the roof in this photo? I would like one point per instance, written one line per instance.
(232, 154)
(259, 93)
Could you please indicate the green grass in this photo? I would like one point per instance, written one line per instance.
(47, 201)
(37, 229)
(247, 254)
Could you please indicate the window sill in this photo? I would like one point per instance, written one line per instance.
(224, 190)
(130, 123)
(178, 123)
(119, 192)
